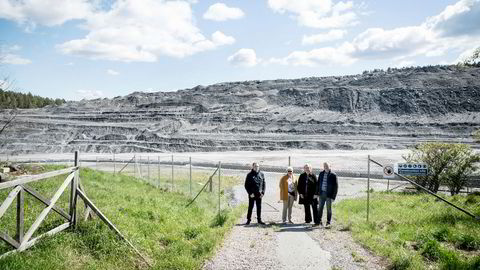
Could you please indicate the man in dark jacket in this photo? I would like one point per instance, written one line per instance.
(327, 189)
(307, 182)
(255, 186)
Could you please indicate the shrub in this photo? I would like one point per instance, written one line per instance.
(441, 234)
(476, 135)
(220, 219)
(467, 242)
(430, 248)
(448, 164)
(400, 263)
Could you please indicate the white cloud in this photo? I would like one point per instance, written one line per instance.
(46, 12)
(143, 31)
(221, 12)
(317, 57)
(376, 43)
(461, 18)
(317, 13)
(319, 38)
(454, 30)
(244, 57)
(112, 72)
(89, 94)
(14, 59)
(404, 63)
(220, 38)
(7, 57)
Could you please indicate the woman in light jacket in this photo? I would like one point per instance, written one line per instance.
(288, 194)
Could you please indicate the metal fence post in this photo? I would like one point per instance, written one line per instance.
(289, 161)
(219, 182)
(20, 217)
(140, 167)
(114, 165)
(135, 166)
(368, 188)
(190, 161)
(148, 168)
(158, 185)
(172, 172)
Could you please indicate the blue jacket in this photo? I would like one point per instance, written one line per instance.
(332, 185)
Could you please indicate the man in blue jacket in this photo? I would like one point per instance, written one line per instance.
(255, 187)
(326, 191)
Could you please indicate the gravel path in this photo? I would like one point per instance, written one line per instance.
(297, 246)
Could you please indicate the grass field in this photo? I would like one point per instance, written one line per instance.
(156, 222)
(416, 231)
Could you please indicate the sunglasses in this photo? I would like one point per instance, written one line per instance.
(289, 171)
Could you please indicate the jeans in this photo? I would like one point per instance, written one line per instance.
(287, 205)
(258, 202)
(323, 200)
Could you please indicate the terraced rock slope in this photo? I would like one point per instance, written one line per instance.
(383, 109)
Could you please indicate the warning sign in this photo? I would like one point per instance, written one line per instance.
(412, 169)
(388, 171)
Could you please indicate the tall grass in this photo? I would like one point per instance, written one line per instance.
(416, 231)
(155, 221)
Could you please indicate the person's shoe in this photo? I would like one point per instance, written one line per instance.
(290, 222)
(248, 222)
(327, 225)
(316, 225)
(261, 222)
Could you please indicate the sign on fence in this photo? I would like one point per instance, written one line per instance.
(388, 171)
(412, 169)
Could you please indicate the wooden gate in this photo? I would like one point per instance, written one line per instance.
(22, 240)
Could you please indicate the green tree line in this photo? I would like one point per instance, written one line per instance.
(14, 100)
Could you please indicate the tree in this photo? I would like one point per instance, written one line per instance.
(476, 136)
(7, 120)
(473, 59)
(448, 164)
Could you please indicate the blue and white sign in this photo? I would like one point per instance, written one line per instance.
(412, 169)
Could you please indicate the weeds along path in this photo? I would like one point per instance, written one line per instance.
(293, 246)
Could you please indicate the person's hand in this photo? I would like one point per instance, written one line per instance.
(252, 195)
(301, 196)
(261, 195)
(316, 197)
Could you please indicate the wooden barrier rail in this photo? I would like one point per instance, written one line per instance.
(23, 241)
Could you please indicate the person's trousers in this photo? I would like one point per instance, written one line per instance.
(323, 200)
(287, 206)
(258, 202)
(308, 216)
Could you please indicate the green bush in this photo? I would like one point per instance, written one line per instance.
(467, 242)
(476, 135)
(400, 263)
(448, 164)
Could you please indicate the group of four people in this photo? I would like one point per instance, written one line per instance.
(313, 192)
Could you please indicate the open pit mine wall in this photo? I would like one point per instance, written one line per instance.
(394, 109)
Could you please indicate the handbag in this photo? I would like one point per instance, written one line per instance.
(301, 200)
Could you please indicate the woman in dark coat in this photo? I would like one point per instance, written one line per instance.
(307, 183)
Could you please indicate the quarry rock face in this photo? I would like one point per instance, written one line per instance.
(391, 109)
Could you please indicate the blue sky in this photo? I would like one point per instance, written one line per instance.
(86, 49)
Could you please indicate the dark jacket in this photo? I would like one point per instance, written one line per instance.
(255, 183)
(307, 186)
(332, 184)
